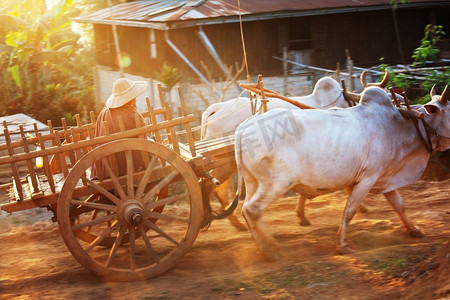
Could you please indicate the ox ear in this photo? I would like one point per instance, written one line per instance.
(432, 109)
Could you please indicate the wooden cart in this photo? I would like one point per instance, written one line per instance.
(141, 211)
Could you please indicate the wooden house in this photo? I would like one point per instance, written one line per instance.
(187, 34)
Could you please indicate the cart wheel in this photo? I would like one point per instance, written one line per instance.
(85, 233)
(147, 241)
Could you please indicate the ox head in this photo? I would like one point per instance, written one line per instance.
(438, 116)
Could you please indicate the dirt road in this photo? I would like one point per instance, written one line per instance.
(224, 263)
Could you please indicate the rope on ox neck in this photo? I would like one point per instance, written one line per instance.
(426, 143)
(428, 129)
(350, 103)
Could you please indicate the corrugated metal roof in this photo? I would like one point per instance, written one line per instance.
(165, 14)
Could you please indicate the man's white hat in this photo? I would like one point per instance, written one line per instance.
(125, 90)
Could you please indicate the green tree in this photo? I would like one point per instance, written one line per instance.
(169, 76)
(44, 67)
(428, 49)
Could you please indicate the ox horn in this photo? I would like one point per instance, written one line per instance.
(445, 95)
(349, 96)
(385, 80)
(362, 78)
(433, 91)
(381, 84)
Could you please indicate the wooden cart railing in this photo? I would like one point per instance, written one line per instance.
(59, 150)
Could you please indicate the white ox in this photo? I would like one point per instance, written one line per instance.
(369, 148)
(222, 119)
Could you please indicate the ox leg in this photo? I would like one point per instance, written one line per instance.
(252, 211)
(362, 208)
(396, 202)
(301, 211)
(355, 199)
(223, 196)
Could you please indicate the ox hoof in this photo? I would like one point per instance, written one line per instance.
(237, 224)
(305, 222)
(270, 256)
(345, 250)
(415, 233)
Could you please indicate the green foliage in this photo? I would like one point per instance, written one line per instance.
(435, 77)
(394, 3)
(169, 76)
(44, 66)
(398, 80)
(428, 50)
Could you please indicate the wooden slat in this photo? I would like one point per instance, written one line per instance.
(144, 155)
(34, 188)
(187, 126)
(15, 171)
(172, 132)
(153, 121)
(161, 95)
(163, 104)
(61, 157)
(56, 155)
(112, 158)
(46, 165)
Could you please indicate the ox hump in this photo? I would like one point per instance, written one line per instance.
(376, 95)
(326, 84)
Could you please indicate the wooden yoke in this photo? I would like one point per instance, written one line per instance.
(264, 100)
(272, 94)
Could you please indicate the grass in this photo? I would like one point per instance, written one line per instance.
(396, 266)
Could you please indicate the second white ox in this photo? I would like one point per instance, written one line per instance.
(221, 119)
(369, 148)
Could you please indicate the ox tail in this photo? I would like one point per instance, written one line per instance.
(210, 110)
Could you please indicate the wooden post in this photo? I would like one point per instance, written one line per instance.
(187, 126)
(172, 133)
(33, 182)
(285, 70)
(351, 83)
(62, 158)
(15, 170)
(46, 164)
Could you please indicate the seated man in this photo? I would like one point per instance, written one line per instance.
(121, 105)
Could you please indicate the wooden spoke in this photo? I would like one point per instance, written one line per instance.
(116, 245)
(147, 174)
(93, 217)
(160, 185)
(102, 236)
(130, 173)
(132, 248)
(160, 232)
(114, 179)
(148, 244)
(93, 222)
(156, 215)
(167, 200)
(103, 191)
(95, 205)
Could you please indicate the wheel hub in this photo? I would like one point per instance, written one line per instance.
(132, 213)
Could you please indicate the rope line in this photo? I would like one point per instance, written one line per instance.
(242, 39)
